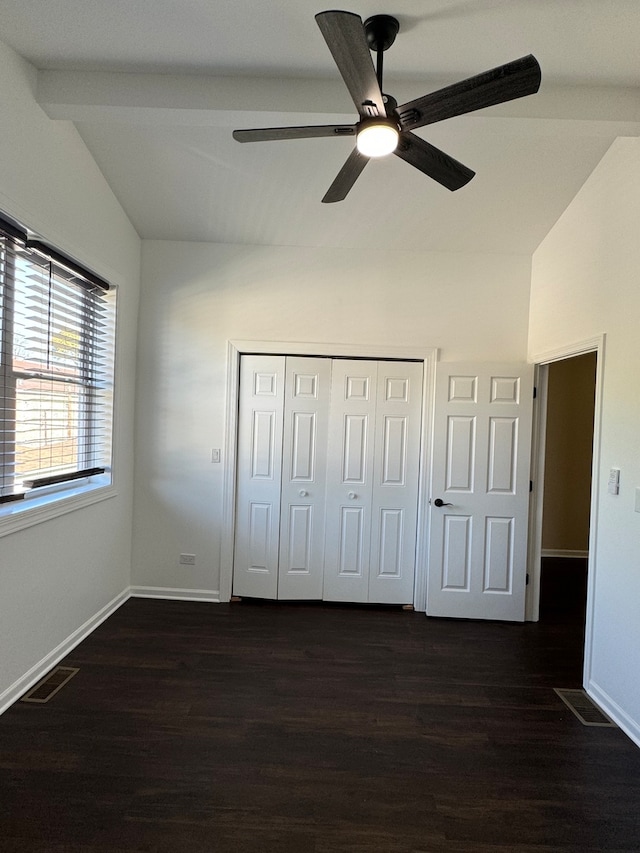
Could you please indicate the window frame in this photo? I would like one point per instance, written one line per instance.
(74, 490)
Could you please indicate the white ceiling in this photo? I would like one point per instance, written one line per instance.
(156, 86)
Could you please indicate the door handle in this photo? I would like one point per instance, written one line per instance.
(352, 496)
(439, 502)
(302, 493)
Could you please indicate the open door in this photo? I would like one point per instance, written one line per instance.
(480, 491)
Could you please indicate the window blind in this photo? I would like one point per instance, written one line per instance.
(56, 371)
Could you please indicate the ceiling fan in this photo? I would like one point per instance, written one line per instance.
(383, 126)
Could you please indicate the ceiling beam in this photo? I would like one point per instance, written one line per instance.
(184, 99)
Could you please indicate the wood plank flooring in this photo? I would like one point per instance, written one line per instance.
(260, 728)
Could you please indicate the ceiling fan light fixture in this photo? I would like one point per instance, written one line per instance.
(377, 138)
(384, 127)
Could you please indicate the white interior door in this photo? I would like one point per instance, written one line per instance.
(306, 414)
(481, 461)
(327, 479)
(372, 481)
(350, 480)
(394, 512)
(255, 567)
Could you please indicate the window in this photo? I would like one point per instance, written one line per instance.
(56, 371)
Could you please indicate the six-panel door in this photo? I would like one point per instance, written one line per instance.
(481, 450)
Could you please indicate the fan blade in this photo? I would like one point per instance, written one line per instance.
(504, 83)
(269, 134)
(346, 177)
(345, 38)
(433, 162)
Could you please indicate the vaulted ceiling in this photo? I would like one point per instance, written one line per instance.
(156, 87)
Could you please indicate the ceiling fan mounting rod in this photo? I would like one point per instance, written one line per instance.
(379, 58)
(381, 32)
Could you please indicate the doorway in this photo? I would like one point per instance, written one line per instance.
(592, 368)
(566, 502)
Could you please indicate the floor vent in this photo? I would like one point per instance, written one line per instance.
(49, 685)
(585, 710)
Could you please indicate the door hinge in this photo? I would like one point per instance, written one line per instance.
(530, 485)
(535, 392)
(527, 579)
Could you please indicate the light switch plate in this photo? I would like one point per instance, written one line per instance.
(637, 507)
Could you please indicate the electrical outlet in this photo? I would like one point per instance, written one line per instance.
(187, 559)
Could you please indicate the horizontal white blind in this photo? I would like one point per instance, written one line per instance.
(57, 369)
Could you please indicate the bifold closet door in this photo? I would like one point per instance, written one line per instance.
(372, 481)
(394, 516)
(302, 504)
(350, 480)
(259, 473)
(282, 445)
(327, 479)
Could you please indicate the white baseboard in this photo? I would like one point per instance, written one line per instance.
(630, 727)
(40, 669)
(175, 594)
(559, 552)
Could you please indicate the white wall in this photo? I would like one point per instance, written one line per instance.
(195, 297)
(57, 575)
(585, 282)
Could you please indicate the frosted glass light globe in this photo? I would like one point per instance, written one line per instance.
(377, 139)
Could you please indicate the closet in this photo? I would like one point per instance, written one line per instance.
(327, 479)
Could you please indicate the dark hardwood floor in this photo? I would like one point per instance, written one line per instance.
(259, 727)
(563, 586)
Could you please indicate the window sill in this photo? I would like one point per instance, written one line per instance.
(22, 514)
